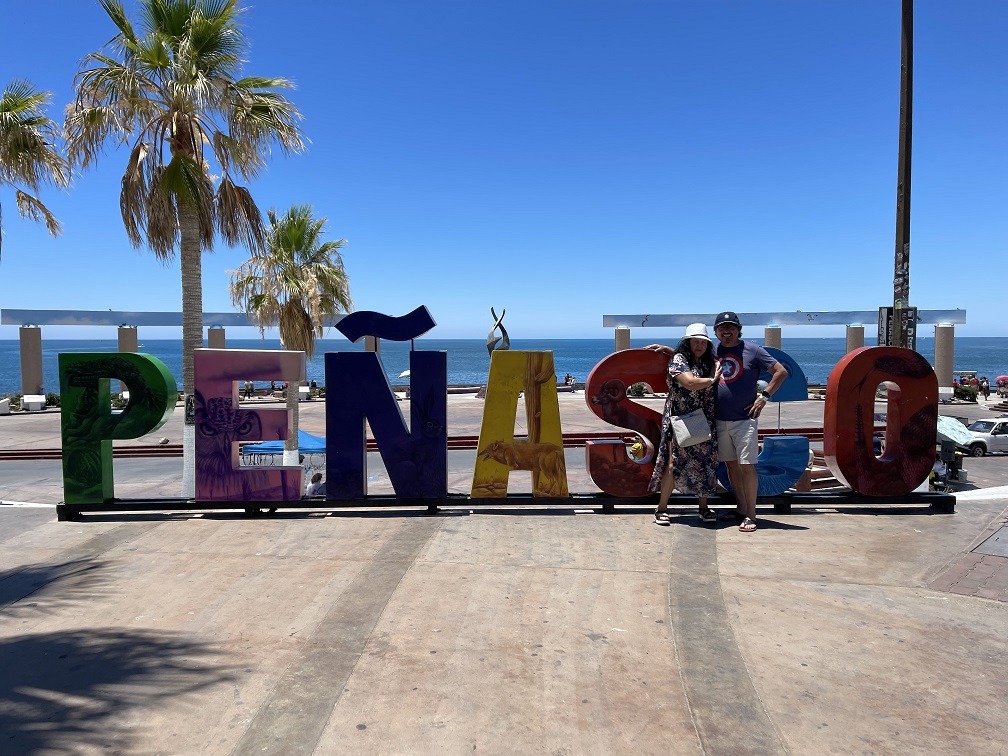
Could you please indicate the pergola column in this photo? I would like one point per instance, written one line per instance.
(855, 337)
(128, 341)
(772, 337)
(215, 337)
(622, 340)
(31, 359)
(944, 355)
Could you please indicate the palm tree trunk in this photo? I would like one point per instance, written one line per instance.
(291, 456)
(192, 337)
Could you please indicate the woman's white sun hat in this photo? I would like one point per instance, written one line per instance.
(696, 331)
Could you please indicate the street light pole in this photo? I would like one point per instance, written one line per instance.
(901, 270)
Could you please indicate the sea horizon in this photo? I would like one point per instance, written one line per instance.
(469, 362)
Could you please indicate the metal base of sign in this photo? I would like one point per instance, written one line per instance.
(785, 503)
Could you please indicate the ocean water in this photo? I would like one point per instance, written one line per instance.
(468, 361)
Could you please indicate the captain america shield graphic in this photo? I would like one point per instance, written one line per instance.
(731, 368)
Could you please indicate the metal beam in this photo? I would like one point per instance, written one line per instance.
(797, 317)
(126, 317)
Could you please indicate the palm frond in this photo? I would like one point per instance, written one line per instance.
(297, 331)
(257, 118)
(32, 208)
(28, 154)
(134, 195)
(114, 10)
(238, 217)
(161, 213)
(29, 158)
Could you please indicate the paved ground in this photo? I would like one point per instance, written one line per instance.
(537, 631)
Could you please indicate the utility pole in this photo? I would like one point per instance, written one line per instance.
(902, 328)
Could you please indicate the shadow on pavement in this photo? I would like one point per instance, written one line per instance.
(77, 690)
(27, 588)
(892, 511)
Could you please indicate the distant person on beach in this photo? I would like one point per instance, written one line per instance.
(692, 374)
(739, 407)
(985, 387)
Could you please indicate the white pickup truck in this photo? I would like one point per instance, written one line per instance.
(989, 435)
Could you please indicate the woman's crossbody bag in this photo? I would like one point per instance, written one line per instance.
(691, 429)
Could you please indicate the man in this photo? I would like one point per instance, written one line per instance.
(738, 407)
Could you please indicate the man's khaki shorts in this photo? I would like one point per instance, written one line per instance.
(737, 441)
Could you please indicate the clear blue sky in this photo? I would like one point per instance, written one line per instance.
(566, 159)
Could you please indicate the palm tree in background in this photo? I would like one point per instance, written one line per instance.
(28, 156)
(171, 91)
(296, 284)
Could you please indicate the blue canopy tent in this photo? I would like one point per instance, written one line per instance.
(308, 446)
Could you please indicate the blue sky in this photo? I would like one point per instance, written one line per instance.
(566, 159)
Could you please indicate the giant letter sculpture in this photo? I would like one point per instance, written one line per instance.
(221, 424)
(358, 391)
(88, 425)
(497, 451)
(911, 420)
(795, 386)
(606, 395)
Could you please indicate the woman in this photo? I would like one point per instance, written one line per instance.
(693, 373)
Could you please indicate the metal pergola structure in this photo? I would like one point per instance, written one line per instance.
(777, 319)
(127, 318)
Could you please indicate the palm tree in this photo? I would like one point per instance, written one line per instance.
(296, 284)
(171, 91)
(28, 156)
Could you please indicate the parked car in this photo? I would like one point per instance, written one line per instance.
(989, 435)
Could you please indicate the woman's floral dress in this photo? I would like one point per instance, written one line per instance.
(694, 467)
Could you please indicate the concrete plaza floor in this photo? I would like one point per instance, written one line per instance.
(511, 630)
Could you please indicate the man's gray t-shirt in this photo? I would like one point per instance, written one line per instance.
(741, 366)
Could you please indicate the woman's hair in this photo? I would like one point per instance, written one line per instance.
(705, 361)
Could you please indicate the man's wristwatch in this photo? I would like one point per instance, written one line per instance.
(765, 395)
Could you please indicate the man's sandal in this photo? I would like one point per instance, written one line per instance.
(661, 517)
(708, 515)
(748, 525)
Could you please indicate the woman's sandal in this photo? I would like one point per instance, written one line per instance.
(661, 517)
(748, 525)
(708, 515)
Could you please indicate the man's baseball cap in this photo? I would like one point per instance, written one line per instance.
(727, 317)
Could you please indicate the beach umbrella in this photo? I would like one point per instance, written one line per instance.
(1001, 378)
(950, 429)
(404, 374)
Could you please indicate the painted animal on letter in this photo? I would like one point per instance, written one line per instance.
(545, 461)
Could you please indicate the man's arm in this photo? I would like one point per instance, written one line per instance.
(778, 374)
